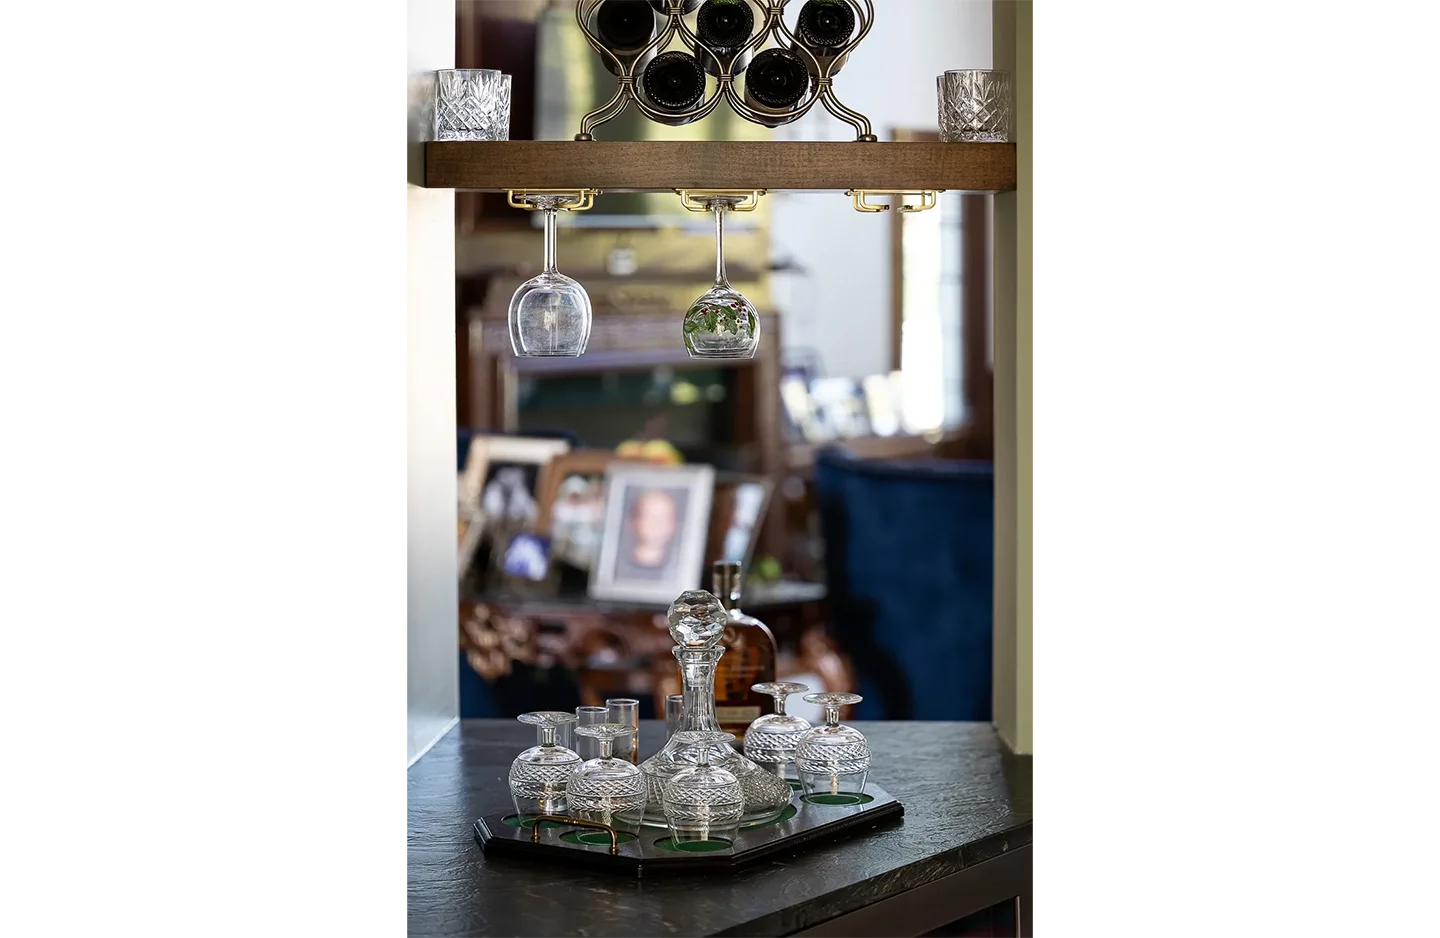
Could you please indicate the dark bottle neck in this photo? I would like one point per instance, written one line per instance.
(726, 581)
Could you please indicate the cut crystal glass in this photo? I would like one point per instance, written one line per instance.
(704, 801)
(833, 760)
(974, 106)
(772, 739)
(607, 790)
(538, 775)
(472, 104)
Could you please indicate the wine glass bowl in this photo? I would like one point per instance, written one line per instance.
(550, 313)
(722, 324)
(833, 760)
(772, 739)
(539, 774)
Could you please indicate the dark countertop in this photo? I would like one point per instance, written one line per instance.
(966, 800)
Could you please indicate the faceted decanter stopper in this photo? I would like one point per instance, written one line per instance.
(696, 619)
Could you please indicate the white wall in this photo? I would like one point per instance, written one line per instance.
(841, 307)
(433, 677)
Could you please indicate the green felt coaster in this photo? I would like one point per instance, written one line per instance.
(693, 846)
(789, 812)
(594, 838)
(839, 799)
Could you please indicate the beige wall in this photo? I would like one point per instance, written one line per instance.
(432, 673)
(1012, 31)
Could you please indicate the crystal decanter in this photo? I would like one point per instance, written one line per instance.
(697, 620)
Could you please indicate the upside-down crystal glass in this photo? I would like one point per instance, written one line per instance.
(697, 621)
(772, 739)
(549, 313)
(833, 760)
(974, 106)
(607, 790)
(472, 104)
(722, 323)
(538, 775)
(703, 801)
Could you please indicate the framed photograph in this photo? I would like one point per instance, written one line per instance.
(502, 478)
(572, 506)
(736, 515)
(657, 518)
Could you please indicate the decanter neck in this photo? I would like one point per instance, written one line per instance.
(697, 674)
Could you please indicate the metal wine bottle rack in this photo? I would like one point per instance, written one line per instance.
(773, 27)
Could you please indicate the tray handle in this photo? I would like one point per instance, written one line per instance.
(561, 819)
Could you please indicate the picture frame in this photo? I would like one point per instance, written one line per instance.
(486, 455)
(730, 537)
(657, 520)
(572, 506)
(486, 497)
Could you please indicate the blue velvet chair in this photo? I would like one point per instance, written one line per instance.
(909, 556)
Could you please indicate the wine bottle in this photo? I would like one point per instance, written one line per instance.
(823, 27)
(723, 26)
(776, 81)
(749, 659)
(674, 83)
(625, 27)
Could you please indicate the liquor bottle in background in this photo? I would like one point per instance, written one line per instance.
(674, 83)
(625, 27)
(776, 81)
(724, 26)
(823, 27)
(750, 654)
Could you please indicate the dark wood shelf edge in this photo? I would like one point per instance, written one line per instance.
(663, 165)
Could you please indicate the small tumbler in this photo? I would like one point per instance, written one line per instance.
(974, 106)
(472, 104)
(674, 706)
(588, 746)
(626, 710)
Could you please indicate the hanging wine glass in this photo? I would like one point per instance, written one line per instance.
(722, 323)
(549, 313)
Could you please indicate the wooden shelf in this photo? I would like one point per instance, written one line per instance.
(663, 165)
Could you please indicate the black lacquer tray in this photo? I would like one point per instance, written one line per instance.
(566, 841)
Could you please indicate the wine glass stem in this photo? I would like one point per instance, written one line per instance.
(607, 747)
(547, 736)
(832, 714)
(720, 280)
(779, 705)
(550, 214)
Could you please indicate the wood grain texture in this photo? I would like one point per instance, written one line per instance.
(966, 800)
(661, 165)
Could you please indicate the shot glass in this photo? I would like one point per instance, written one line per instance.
(674, 707)
(472, 104)
(626, 710)
(588, 746)
(974, 106)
